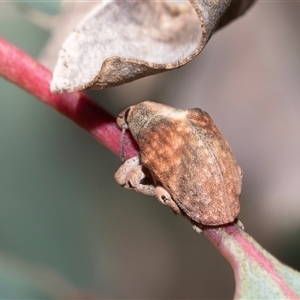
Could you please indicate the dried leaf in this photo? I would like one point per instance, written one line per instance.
(118, 42)
(62, 25)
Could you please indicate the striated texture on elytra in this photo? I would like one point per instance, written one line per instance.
(187, 155)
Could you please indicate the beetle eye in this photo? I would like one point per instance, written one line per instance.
(122, 119)
(126, 113)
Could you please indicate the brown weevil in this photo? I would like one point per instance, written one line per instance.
(184, 161)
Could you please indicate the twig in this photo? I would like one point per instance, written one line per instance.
(24, 71)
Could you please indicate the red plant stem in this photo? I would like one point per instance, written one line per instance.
(19, 68)
(24, 71)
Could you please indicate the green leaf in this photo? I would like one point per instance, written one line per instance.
(258, 274)
(48, 7)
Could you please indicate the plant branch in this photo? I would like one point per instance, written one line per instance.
(19, 68)
(258, 274)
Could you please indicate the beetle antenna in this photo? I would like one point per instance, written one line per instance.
(122, 152)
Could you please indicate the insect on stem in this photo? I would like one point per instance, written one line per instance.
(198, 177)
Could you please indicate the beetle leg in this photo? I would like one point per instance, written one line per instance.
(239, 223)
(165, 198)
(132, 175)
(125, 168)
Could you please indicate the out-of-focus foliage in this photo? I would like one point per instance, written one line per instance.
(47, 7)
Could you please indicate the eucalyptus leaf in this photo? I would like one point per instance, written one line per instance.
(120, 41)
(258, 274)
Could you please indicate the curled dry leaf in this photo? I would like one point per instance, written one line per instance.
(120, 41)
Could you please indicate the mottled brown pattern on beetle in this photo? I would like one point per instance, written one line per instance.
(187, 155)
(179, 154)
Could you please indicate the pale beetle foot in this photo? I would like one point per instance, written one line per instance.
(165, 198)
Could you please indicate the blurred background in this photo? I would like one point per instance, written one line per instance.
(67, 230)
